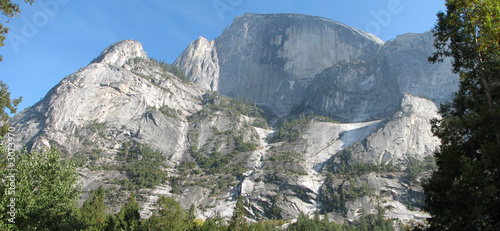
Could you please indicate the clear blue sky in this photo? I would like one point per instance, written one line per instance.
(54, 38)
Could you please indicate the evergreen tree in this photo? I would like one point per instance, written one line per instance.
(6, 103)
(170, 216)
(238, 220)
(10, 10)
(127, 219)
(464, 192)
(93, 211)
(190, 214)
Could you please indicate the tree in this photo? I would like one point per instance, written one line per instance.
(38, 190)
(93, 212)
(170, 216)
(130, 212)
(9, 10)
(127, 219)
(464, 192)
(6, 103)
(470, 33)
(238, 220)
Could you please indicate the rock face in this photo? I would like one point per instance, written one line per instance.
(406, 134)
(382, 97)
(406, 59)
(201, 63)
(112, 90)
(119, 53)
(270, 59)
(286, 60)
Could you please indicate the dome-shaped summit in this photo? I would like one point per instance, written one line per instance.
(119, 53)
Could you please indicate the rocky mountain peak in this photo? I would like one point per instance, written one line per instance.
(201, 63)
(303, 17)
(292, 61)
(119, 53)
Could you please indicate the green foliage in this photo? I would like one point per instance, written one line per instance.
(288, 161)
(416, 167)
(238, 221)
(343, 164)
(172, 69)
(46, 197)
(291, 131)
(464, 192)
(244, 107)
(127, 219)
(292, 156)
(96, 126)
(334, 199)
(39, 188)
(219, 163)
(167, 111)
(9, 10)
(214, 102)
(275, 211)
(92, 212)
(187, 165)
(244, 146)
(366, 223)
(266, 225)
(142, 165)
(215, 223)
(85, 158)
(6, 103)
(170, 216)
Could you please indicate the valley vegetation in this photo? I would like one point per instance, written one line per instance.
(45, 193)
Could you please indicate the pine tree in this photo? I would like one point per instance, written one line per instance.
(128, 218)
(238, 220)
(464, 192)
(93, 211)
(10, 10)
(6, 103)
(170, 216)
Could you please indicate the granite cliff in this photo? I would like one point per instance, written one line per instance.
(349, 120)
(287, 61)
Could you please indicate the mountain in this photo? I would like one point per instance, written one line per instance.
(286, 61)
(293, 112)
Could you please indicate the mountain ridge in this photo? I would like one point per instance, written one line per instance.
(218, 147)
(273, 59)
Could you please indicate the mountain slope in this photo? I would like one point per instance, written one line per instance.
(353, 121)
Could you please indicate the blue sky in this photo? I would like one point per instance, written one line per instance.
(54, 38)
